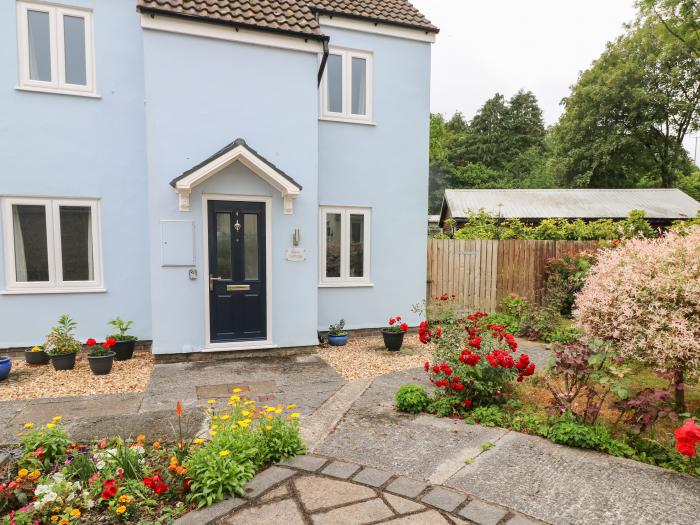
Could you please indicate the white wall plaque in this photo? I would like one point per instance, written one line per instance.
(296, 254)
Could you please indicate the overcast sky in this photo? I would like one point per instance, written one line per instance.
(489, 46)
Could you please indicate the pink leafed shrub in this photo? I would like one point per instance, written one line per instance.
(644, 296)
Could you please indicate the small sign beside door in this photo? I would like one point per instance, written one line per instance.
(296, 254)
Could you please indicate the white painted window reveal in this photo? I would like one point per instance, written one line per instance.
(52, 245)
(346, 91)
(56, 50)
(345, 246)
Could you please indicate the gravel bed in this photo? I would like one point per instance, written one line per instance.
(367, 356)
(42, 381)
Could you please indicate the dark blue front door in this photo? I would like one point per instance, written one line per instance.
(237, 287)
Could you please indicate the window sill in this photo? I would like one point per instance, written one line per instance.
(346, 284)
(347, 121)
(41, 291)
(54, 91)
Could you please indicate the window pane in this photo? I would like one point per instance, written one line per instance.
(357, 245)
(250, 246)
(223, 246)
(359, 86)
(333, 245)
(39, 45)
(76, 243)
(334, 77)
(31, 249)
(74, 47)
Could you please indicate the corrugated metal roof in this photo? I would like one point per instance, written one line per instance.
(586, 204)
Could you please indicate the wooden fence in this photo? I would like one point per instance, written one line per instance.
(480, 273)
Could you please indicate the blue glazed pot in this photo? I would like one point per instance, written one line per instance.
(5, 366)
(337, 340)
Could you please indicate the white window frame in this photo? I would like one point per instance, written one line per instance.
(344, 280)
(55, 284)
(58, 83)
(346, 114)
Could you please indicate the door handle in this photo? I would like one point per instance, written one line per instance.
(211, 281)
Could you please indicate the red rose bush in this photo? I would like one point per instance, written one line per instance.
(473, 362)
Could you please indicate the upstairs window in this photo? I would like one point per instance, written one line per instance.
(345, 246)
(346, 91)
(52, 245)
(56, 52)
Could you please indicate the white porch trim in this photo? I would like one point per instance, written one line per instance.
(376, 28)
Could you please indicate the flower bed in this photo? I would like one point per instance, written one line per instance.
(34, 382)
(589, 396)
(142, 481)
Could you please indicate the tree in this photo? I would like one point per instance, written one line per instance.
(626, 118)
(680, 18)
(643, 298)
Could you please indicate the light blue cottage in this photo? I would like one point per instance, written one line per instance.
(228, 176)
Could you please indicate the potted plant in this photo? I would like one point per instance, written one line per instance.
(5, 366)
(61, 344)
(36, 356)
(393, 334)
(337, 335)
(124, 348)
(101, 357)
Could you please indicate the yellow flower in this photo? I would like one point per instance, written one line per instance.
(23, 473)
(215, 427)
(29, 425)
(224, 453)
(245, 412)
(198, 441)
(212, 432)
(270, 417)
(34, 474)
(125, 498)
(235, 398)
(56, 418)
(268, 427)
(121, 509)
(236, 390)
(56, 509)
(294, 415)
(64, 521)
(50, 425)
(54, 518)
(225, 417)
(291, 407)
(215, 417)
(75, 513)
(278, 411)
(36, 349)
(270, 409)
(211, 401)
(243, 423)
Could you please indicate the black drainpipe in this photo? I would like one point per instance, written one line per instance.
(324, 59)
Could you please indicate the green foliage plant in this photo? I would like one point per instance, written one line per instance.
(44, 445)
(61, 340)
(338, 328)
(121, 327)
(488, 416)
(412, 399)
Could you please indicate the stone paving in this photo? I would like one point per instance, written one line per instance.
(322, 491)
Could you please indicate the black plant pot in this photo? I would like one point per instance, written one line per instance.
(124, 350)
(101, 365)
(36, 358)
(63, 361)
(393, 340)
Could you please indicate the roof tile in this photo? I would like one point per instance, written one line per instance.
(294, 16)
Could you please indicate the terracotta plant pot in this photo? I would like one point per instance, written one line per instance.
(337, 340)
(63, 361)
(36, 358)
(124, 350)
(393, 340)
(101, 364)
(5, 366)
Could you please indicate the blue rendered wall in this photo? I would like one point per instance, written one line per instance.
(66, 146)
(384, 167)
(202, 94)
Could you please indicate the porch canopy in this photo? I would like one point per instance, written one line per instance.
(237, 151)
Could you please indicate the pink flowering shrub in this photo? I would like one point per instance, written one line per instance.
(644, 297)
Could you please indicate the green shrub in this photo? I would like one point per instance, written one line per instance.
(280, 440)
(568, 431)
(488, 416)
(412, 399)
(510, 323)
(563, 334)
(444, 405)
(80, 467)
(51, 439)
